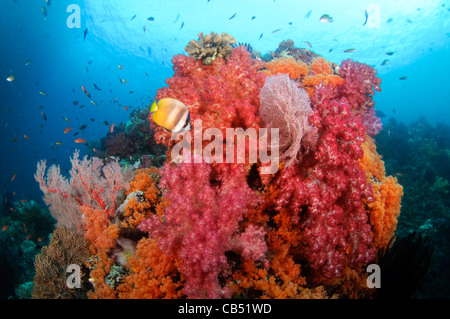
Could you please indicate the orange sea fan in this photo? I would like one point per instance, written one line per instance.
(295, 69)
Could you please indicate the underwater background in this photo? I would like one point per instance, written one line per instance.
(89, 87)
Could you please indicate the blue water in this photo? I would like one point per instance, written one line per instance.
(62, 60)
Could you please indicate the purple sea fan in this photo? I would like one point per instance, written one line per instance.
(286, 106)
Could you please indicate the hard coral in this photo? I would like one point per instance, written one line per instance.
(211, 46)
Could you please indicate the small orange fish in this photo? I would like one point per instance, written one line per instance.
(39, 239)
(67, 130)
(126, 108)
(399, 174)
(13, 177)
(80, 140)
(28, 237)
(26, 136)
(5, 228)
(24, 228)
(111, 128)
(94, 149)
(85, 91)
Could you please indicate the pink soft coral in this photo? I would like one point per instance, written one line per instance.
(359, 87)
(202, 221)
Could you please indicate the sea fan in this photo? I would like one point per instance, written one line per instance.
(287, 107)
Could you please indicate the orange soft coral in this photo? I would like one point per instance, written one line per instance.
(153, 274)
(295, 69)
(99, 230)
(145, 181)
(320, 71)
(384, 211)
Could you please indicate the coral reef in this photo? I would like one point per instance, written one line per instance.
(418, 155)
(132, 139)
(25, 229)
(211, 46)
(198, 229)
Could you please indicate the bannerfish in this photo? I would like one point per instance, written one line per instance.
(171, 114)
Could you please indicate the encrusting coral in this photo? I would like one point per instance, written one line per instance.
(211, 46)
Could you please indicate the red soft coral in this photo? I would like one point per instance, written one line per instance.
(201, 224)
(359, 87)
(327, 198)
(223, 95)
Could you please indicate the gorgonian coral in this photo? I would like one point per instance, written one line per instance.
(286, 107)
